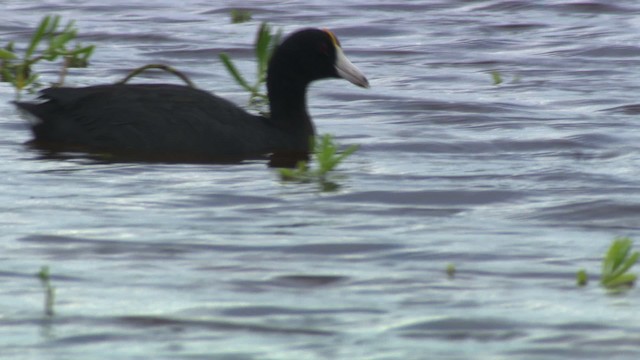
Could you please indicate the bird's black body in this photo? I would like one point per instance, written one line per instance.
(176, 122)
(152, 121)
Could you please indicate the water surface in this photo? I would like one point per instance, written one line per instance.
(518, 184)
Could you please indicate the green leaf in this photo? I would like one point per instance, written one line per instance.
(616, 254)
(58, 42)
(231, 68)
(299, 173)
(44, 274)
(343, 155)
(7, 55)
(37, 36)
(451, 270)
(263, 48)
(31, 79)
(85, 51)
(327, 158)
(41, 31)
(7, 76)
(617, 262)
(53, 25)
(324, 152)
(625, 279)
(327, 154)
(70, 27)
(497, 77)
(10, 46)
(626, 265)
(275, 41)
(263, 40)
(79, 57)
(347, 152)
(286, 174)
(581, 277)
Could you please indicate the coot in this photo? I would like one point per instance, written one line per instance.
(174, 122)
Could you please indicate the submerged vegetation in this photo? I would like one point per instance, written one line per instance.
(49, 291)
(18, 69)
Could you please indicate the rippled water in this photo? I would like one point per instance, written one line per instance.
(518, 184)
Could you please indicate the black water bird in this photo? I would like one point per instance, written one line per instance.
(174, 122)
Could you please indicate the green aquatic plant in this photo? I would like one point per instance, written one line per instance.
(582, 278)
(451, 270)
(7, 55)
(496, 76)
(264, 45)
(49, 291)
(239, 16)
(18, 70)
(327, 156)
(616, 262)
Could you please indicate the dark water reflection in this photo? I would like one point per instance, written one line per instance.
(518, 184)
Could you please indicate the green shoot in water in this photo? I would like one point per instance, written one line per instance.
(617, 261)
(582, 278)
(451, 270)
(496, 77)
(18, 70)
(264, 46)
(327, 157)
(239, 16)
(49, 291)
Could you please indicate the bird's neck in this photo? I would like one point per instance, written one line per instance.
(288, 105)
